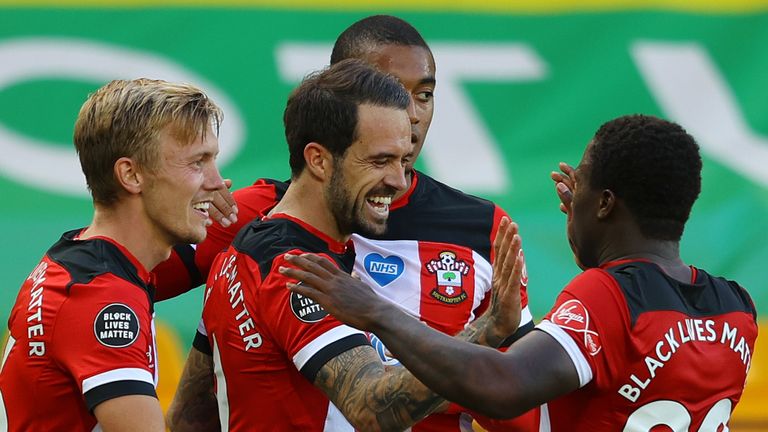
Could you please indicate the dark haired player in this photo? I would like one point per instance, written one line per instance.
(637, 341)
(280, 362)
(434, 259)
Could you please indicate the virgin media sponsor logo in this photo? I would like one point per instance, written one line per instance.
(573, 316)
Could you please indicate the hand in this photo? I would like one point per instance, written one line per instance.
(347, 298)
(564, 186)
(508, 273)
(224, 209)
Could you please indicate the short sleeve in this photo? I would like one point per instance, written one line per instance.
(304, 330)
(590, 320)
(104, 339)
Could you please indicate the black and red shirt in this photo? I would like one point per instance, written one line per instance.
(434, 260)
(268, 343)
(650, 350)
(81, 332)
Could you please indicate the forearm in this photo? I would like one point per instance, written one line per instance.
(371, 398)
(480, 332)
(463, 373)
(194, 406)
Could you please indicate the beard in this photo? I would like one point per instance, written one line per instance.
(350, 218)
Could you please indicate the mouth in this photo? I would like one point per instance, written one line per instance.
(414, 138)
(201, 208)
(379, 204)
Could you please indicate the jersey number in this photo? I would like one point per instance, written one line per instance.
(675, 416)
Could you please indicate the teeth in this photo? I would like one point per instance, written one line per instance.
(202, 205)
(381, 200)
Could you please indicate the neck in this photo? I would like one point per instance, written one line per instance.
(301, 201)
(664, 253)
(126, 224)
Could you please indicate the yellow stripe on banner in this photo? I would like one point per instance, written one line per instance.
(502, 6)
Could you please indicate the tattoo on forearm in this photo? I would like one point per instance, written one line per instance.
(194, 407)
(479, 332)
(358, 384)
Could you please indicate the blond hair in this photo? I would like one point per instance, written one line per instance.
(124, 119)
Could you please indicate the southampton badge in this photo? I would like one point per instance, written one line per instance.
(449, 272)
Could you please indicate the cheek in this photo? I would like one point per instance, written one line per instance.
(425, 115)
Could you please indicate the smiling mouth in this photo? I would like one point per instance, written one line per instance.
(202, 208)
(380, 204)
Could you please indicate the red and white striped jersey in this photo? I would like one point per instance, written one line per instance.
(434, 260)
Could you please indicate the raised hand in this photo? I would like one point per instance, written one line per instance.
(508, 274)
(224, 209)
(564, 185)
(345, 297)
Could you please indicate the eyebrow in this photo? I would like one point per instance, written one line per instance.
(383, 155)
(428, 80)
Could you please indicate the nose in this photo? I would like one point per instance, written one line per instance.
(213, 179)
(396, 178)
(412, 111)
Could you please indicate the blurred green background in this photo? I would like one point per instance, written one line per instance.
(518, 91)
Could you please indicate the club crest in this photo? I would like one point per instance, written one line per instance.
(449, 272)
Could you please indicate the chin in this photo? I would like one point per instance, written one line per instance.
(192, 237)
(371, 229)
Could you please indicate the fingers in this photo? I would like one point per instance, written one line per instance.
(304, 277)
(307, 291)
(224, 209)
(564, 185)
(565, 195)
(566, 169)
(517, 268)
(508, 265)
(317, 264)
(500, 236)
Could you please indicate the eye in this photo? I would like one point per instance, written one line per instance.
(424, 96)
(380, 163)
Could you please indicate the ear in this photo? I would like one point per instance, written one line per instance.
(319, 161)
(606, 204)
(128, 175)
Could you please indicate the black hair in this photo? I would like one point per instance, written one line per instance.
(365, 35)
(654, 166)
(324, 107)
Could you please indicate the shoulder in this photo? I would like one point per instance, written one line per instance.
(257, 199)
(734, 296)
(439, 213)
(431, 191)
(91, 260)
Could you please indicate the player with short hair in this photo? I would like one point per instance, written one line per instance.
(280, 362)
(433, 230)
(631, 342)
(81, 352)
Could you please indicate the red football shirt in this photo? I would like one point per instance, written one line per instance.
(269, 343)
(651, 351)
(81, 333)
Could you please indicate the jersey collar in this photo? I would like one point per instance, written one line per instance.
(333, 245)
(403, 200)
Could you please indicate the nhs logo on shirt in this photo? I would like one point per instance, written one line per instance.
(383, 270)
